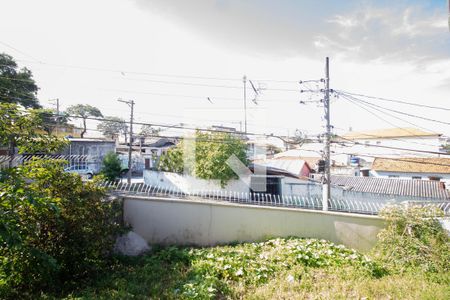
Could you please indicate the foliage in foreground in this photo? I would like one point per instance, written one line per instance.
(55, 230)
(414, 239)
(225, 271)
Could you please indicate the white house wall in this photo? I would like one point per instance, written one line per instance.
(410, 175)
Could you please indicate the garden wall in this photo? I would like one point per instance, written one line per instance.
(205, 222)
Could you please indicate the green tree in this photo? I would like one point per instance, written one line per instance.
(112, 166)
(84, 111)
(112, 127)
(50, 120)
(148, 130)
(25, 130)
(17, 86)
(212, 150)
(54, 229)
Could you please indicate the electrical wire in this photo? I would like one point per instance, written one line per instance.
(392, 116)
(392, 124)
(402, 113)
(392, 100)
(410, 160)
(387, 147)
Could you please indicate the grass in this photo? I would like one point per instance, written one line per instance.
(275, 269)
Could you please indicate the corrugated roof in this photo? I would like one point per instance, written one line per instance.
(394, 187)
(413, 165)
(388, 133)
(311, 161)
(293, 166)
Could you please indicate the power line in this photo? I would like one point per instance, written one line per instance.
(189, 128)
(17, 50)
(353, 100)
(402, 113)
(396, 101)
(387, 147)
(394, 159)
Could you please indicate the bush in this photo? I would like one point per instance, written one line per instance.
(112, 166)
(414, 239)
(55, 230)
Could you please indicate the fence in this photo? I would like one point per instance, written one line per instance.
(15, 160)
(363, 206)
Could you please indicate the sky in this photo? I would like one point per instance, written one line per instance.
(170, 56)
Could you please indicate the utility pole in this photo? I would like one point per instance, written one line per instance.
(130, 103)
(245, 103)
(57, 114)
(326, 181)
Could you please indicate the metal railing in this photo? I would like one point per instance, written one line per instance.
(19, 159)
(338, 204)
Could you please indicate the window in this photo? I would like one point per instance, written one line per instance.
(393, 176)
(435, 178)
(378, 142)
(417, 177)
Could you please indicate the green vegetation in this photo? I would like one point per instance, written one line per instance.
(113, 127)
(55, 231)
(278, 268)
(414, 240)
(112, 166)
(291, 268)
(17, 86)
(212, 150)
(84, 111)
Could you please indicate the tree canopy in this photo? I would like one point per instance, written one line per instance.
(84, 111)
(148, 130)
(113, 127)
(25, 130)
(212, 150)
(17, 86)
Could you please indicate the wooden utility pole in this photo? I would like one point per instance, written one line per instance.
(326, 151)
(130, 103)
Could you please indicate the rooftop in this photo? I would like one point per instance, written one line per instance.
(90, 140)
(394, 187)
(389, 133)
(413, 165)
(293, 166)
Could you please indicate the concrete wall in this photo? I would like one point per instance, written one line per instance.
(409, 175)
(206, 223)
(95, 150)
(189, 184)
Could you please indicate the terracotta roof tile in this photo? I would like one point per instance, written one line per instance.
(412, 165)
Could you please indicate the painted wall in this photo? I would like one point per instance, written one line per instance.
(190, 184)
(409, 175)
(207, 223)
(95, 150)
(289, 186)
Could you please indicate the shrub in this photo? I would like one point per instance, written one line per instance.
(112, 166)
(414, 238)
(55, 229)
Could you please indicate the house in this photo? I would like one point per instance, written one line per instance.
(436, 168)
(392, 142)
(92, 151)
(151, 149)
(296, 166)
(261, 149)
(401, 189)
